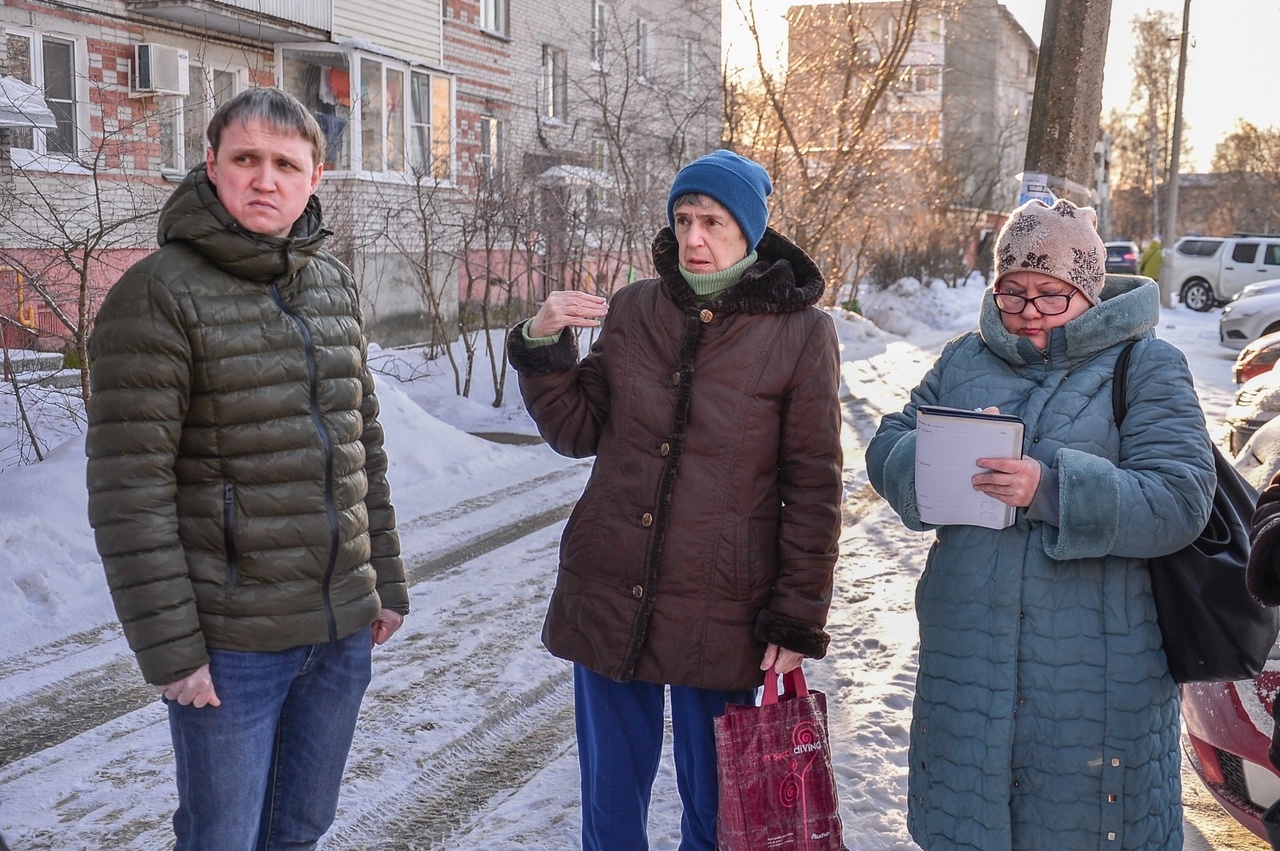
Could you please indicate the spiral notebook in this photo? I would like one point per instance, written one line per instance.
(948, 443)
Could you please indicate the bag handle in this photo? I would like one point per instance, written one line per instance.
(794, 685)
(1120, 385)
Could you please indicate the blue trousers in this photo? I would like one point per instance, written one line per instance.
(262, 771)
(620, 729)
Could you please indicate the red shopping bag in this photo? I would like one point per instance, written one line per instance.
(777, 787)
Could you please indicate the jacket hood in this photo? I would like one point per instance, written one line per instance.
(194, 215)
(783, 279)
(1128, 309)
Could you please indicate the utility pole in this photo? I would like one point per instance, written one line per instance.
(1170, 235)
(1067, 102)
(1153, 142)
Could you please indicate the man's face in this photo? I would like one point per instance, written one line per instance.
(709, 237)
(264, 175)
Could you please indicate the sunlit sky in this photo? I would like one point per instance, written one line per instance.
(1230, 70)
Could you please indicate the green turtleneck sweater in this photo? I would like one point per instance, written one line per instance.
(705, 287)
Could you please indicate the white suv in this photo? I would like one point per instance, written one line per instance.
(1207, 271)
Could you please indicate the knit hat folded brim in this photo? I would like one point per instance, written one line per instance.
(738, 184)
(1061, 241)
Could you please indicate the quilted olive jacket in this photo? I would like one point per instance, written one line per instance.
(710, 523)
(236, 473)
(1044, 715)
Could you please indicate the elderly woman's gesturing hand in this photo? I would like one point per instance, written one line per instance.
(567, 309)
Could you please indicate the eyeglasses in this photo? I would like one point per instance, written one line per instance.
(1048, 305)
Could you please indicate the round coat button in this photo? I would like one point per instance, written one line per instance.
(705, 315)
(637, 591)
(646, 520)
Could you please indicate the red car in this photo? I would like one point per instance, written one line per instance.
(1229, 727)
(1257, 357)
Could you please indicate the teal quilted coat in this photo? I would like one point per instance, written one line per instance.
(1044, 715)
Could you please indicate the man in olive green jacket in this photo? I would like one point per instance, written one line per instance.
(237, 485)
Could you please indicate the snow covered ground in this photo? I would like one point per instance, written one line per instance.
(466, 735)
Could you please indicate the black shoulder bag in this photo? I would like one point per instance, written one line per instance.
(1212, 629)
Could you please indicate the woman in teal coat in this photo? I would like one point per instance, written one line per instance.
(1045, 715)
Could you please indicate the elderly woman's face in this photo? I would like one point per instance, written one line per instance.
(709, 237)
(1032, 322)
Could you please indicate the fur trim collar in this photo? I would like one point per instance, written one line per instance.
(784, 279)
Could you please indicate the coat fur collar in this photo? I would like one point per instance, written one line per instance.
(784, 279)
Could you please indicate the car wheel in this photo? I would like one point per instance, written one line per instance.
(1198, 295)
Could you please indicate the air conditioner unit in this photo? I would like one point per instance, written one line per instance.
(159, 69)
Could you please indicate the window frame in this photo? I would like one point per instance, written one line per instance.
(599, 33)
(199, 104)
(38, 154)
(689, 66)
(926, 79)
(495, 16)
(493, 148)
(645, 64)
(554, 106)
(407, 145)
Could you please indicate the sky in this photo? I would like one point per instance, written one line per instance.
(1227, 75)
(466, 735)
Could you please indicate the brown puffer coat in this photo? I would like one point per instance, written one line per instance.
(237, 480)
(710, 522)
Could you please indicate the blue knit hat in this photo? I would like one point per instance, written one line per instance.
(737, 183)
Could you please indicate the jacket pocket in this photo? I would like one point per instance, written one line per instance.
(229, 516)
(749, 562)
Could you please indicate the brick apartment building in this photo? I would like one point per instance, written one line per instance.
(470, 142)
(964, 90)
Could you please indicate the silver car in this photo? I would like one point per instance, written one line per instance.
(1252, 312)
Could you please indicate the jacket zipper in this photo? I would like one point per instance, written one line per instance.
(229, 532)
(331, 509)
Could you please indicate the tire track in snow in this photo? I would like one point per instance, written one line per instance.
(43, 692)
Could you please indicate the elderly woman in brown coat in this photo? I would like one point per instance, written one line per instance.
(702, 550)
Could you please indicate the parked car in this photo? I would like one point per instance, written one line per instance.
(1122, 258)
(1259, 459)
(1256, 358)
(1257, 402)
(1208, 270)
(1250, 313)
(1228, 727)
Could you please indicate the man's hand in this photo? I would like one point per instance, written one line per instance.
(385, 626)
(565, 309)
(780, 659)
(192, 690)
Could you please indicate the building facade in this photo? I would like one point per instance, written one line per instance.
(963, 87)
(476, 149)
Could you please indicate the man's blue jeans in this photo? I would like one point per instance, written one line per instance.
(262, 771)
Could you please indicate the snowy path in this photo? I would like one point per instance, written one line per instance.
(464, 694)
(466, 737)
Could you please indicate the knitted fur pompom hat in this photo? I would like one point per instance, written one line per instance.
(1061, 241)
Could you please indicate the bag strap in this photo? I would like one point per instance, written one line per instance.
(793, 682)
(1120, 384)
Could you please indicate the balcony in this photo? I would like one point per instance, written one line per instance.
(271, 21)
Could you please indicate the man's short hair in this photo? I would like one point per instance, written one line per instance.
(272, 106)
